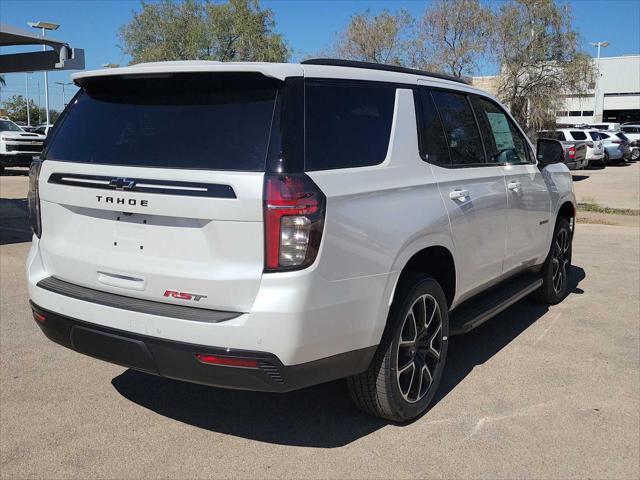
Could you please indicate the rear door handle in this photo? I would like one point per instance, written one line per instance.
(459, 194)
(515, 186)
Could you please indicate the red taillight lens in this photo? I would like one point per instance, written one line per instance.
(572, 152)
(293, 221)
(39, 317)
(227, 361)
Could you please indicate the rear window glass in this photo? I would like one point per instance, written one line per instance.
(578, 135)
(197, 121)
(594, 135)
(622, 136)
(347, 124)
(460, 126)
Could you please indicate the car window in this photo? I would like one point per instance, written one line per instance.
(432, 137)
(8, 126)
(578, 135)
(139, 121)
(460, 128)
(622, 136)
(552, 135)
(502, 140)
(594, 135)
(604, 135)
(347, 124)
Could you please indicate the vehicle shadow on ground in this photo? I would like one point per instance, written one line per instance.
(578, 178)
(320, 416)
(14, 221)
(20, 172)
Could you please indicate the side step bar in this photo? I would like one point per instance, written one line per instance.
(476, 311)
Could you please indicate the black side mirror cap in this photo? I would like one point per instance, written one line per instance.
(549, 151)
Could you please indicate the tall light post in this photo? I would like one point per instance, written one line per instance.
(44, 26)
(26, 87)
(64, 103)
(595, 87)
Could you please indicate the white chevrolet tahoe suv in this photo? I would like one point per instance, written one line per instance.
(337, 220)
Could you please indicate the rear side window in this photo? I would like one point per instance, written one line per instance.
(594, 135)
(347, 124)
(578, 135)
(503, 142)
(432, 138)
(192, 121)
(460, 127)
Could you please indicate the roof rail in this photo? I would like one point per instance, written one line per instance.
(335, 62)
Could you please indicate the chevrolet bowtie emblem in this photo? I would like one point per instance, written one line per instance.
(122, 183)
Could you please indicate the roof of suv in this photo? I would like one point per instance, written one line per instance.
(324, 68)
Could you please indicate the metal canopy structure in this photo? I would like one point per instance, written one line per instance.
(62, 57)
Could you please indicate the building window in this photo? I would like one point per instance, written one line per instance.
(587, 113)
(575, 113)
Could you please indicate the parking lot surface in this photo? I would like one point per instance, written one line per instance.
(536, 392)
(616, 186)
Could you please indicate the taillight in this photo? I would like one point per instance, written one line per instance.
(572, 152)
(227, 361)
(33, 198)
(293, 221)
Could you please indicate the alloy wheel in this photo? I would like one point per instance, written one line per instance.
(419, 348)
(560, 261)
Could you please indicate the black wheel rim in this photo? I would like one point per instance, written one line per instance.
(560, 261)
(419, 348)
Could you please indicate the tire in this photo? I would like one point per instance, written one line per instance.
(391, 387)
(556, 268)
(605, 160)
(635, 154)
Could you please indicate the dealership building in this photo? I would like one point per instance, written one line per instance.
(616, 99)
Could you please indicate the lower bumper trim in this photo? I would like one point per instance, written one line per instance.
(178, 360)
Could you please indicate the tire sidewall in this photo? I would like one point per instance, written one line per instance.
(553, 296)
(398, 405)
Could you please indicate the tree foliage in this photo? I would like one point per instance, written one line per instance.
(239, 30)
(16, 107)
(540, 59)
(378, 38)
(452, 36)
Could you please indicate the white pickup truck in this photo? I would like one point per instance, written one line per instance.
(17, 147)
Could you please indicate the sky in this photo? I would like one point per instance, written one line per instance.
(308, 25)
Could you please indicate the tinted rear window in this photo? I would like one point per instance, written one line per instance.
(347, 124)
(578, 135)
(198, 121)
(433, 139)
(594, 135)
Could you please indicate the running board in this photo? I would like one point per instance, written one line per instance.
(476, 311)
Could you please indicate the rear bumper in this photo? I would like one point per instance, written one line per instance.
(178, 360)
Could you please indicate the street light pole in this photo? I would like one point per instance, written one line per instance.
(45, 26)
(26, 87)
(64, 103)
(595, 87)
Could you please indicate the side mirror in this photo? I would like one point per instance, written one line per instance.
(549, 151)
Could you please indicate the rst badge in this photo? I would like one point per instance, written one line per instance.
(184, 295)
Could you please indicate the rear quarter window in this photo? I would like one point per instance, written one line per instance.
(347, 124)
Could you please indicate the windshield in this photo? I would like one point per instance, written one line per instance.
(200, 121)
(9, 126)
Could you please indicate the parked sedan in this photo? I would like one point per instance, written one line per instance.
(616, 147)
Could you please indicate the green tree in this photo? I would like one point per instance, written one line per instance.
(452, 36)
(537, 49)
(16, 108)
(239, 30)
(381, 38)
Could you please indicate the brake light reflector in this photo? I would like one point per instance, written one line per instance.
(572, 152)
(39, 317)
(293, 221)
(227, 361)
